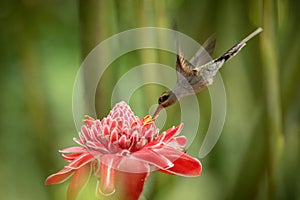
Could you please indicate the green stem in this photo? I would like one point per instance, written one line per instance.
(270, 76)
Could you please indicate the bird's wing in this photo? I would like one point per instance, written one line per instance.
(233, 51)
(203, 55)
(186, 70)
(183, 66)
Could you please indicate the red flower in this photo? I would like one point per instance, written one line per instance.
(122, 150)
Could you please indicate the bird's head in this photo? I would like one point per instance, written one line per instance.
(166, 99)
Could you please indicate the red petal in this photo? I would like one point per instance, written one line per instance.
(129, 185)
(114, 135)
(166, 136)
(176, 143)
(170, 133)
(59, 177)
(123, 142)
(151, 157)
(132, 165)
(68, 170)
(80, 161)
(71, 157)
(119, 181)
(181, 140)
(106, 185)
(134, 170)
(79, 180)
(184, 164)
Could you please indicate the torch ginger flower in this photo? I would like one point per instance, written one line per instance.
(122, 150)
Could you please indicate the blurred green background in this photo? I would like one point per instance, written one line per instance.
(42, 45)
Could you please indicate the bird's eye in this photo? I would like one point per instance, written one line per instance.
(163, 98)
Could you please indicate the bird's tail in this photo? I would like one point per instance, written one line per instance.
(236, 48)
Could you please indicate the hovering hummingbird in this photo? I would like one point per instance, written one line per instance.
(198, 73)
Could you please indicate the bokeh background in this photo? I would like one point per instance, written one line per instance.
(43, 43)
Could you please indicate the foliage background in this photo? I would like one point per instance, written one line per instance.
(42, 44)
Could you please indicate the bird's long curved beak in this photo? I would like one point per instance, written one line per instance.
(158, 109)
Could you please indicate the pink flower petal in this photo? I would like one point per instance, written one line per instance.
(85, 133)
(73, 150)
(78, 141)
(121, 149)
(79, 180)
(88, 121)
(120, 110)
(98, 147)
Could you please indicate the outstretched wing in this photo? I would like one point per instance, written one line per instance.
(186, 74)
(203, 55)
(183, 66)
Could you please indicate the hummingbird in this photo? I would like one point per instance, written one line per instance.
(197, 74)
